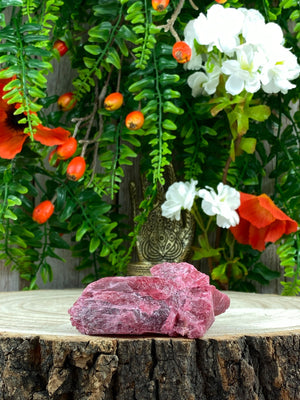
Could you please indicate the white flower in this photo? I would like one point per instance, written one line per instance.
(221, 28)
(179, 195)
(244, 71)
(189, 38)
(204, 83)
(196, 82)
(222, 204)
(241, 45)
(281, 67)
(255, 31)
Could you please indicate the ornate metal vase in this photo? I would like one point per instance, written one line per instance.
(161, 239)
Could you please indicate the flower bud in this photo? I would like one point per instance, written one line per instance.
(43, 212)
(134, 120)
(67, 149)
(181, 52)
(76, 168)
(61, 47)
(160, 5)
(113, 101)
(66, 101)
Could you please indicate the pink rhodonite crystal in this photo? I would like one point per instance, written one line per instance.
(176, 300)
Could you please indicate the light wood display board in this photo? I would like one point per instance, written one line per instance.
(251, 352)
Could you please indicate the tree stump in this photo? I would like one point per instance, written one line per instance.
(251, 352)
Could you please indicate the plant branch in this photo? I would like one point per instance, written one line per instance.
(169, 26)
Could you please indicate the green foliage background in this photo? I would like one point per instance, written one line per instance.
(111, 43)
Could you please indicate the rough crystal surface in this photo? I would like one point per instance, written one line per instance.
(176, 300)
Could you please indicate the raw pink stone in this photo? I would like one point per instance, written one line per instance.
(176, 300)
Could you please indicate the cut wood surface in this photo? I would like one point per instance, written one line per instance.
(251, 352)
(45, 312)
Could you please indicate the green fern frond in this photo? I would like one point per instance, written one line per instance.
(289, 255)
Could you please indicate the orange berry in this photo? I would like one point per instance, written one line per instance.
(66, 101)
(43, 212)
(76, 168)
(67, 149)
(113, 101)
(182, 52)
(160, 5)
(134, 120)
(61, 47)
(221, 1)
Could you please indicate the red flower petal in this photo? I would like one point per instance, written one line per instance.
(11, 142)
(253, 211)
(261, 221)
(51, 137)
(241, 231)
(275, 231)
(257, 238)
(290, 226)
(269, 205)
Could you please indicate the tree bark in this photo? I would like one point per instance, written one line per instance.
(251, 352)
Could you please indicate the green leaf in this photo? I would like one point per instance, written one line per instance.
(289, 3)
(167, 63)
(104, 251)
(168, 124)
(8, 3)
(37, 77)
(113, 58)
(36, 51)
(146, 94)
(14, 200)
(171, 94)
(10, 215)
(9, 72)
(170, 107)
(126, 151)
(93, 49)
(68, 210)
(248, 145)
(35, 92)
(35, 38)
(19, 188)
(8, 47)
(29, 27)
(259, 113)
(57, 241)
(200, 253)
(82, 230)
(219, 273)
(34, 63)
(101, 31)
(265, 272)
(94, 244)
(141, 84)
(168, 79)
(135, 7)
(122, 46)
(126, 33)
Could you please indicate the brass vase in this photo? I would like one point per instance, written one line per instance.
(161, 239)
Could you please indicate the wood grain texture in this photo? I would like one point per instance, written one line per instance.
(45, 312)
(250, 353)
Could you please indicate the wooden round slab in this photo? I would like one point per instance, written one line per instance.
(251, 352)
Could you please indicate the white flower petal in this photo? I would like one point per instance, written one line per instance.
(180, 195)
(222, 204)
(234, 85)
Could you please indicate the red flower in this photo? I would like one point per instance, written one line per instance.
(261, 221)
(12, 136)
